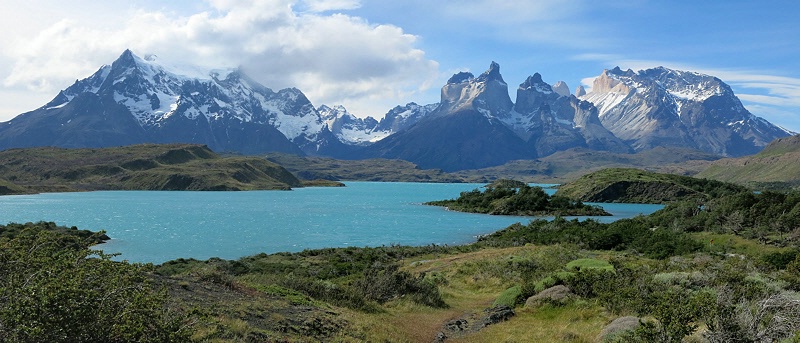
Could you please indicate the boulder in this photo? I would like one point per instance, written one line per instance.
(556, 295)
(618, 326)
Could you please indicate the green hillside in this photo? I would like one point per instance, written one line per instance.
(138, 167)
(639, 186)
(775, 167)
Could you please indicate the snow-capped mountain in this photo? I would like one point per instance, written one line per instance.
(665, 107)
(349, 128)
(400, 118)
(137, 100)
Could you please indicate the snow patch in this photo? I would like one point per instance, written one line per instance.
(57, 106)
(605, 101)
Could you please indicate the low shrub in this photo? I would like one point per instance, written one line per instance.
(511, 297)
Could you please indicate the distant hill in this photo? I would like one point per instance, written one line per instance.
(639, 186)
(378, 169)
(569, 165)
(137, 167)
(775, 167)
(561, 167)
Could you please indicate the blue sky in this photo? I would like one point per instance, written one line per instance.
(371, 55)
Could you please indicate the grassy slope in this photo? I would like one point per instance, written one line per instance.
(139, 167)
(470, 282)
(776, 164)
(639, 186)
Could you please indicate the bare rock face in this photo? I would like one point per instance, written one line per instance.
(561, 88)
(550, 122)
(487, 94)
(580, 91)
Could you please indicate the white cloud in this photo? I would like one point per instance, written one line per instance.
(334, 59)
(331, 5)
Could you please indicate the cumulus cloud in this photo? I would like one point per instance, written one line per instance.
(333, 58)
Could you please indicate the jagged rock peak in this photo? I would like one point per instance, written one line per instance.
(460, 77)
(535, 82)
(618, 71)
(609, 81)
(580, 91)
(126, 60)
(492, 74)
(561, 88)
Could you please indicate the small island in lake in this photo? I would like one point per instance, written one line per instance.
(506, 197)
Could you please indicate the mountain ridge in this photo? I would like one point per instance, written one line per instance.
(475, 125)
(666, 107)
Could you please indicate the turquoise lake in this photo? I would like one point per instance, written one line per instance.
(157, 226)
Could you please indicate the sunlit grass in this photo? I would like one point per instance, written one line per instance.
(578, 322)
(732, 244)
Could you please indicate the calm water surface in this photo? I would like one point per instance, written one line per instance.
(152, 226)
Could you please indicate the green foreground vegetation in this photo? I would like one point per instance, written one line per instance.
(506, 197)
(724, 269)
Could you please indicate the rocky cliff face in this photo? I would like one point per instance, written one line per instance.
(665, 107)
(552, 122)
(561, 88)
(464, 132)
(477, 125)
(487, 94)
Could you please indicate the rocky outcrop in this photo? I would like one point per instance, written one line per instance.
(618, 326)
(561, 88)
(580, 91)
(474, 322)
(556, 295)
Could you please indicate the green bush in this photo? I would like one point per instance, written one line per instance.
(589, 263)
(384, 282)
(54, 289)
(511, 297)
